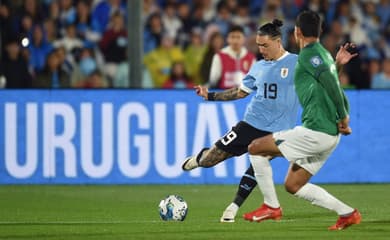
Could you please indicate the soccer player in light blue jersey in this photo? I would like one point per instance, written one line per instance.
(273, 107)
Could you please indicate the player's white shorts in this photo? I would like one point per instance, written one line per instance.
(305, 147)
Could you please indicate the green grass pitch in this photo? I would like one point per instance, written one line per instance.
(131, 212)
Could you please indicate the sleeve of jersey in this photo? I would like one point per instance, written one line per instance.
(346, 102)
(332, 87)
(248, 83)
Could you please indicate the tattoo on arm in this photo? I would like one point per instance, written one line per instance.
(213, 156)
(230, 94)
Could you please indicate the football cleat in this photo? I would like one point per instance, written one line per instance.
(262, 213)
(189, 163)
(344, 222)
(228, 216)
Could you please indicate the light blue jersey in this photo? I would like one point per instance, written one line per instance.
(275, 104)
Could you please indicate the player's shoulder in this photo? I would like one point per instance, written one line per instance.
(313, 56)
(258, 64)
(291, 56)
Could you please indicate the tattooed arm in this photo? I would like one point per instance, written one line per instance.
(227, 95)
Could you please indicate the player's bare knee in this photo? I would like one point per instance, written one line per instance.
(253, 148)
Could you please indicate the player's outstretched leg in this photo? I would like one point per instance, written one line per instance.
(205, 158)
(247, 184)
(320, 197)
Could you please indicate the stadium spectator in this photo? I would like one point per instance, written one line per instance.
(330, 43)
(184, 34)
(242, 18)
(52, 75)
(70, 41)
(291, 9)
(84, 25)
(160, 60)
(215, 44)
(85, 66)
(382, 80)
(67, 12)
(53, 12)
(114, 44)
(103, 11)
(149, 7)
(207, 8)
(197, 17)
(38, 48)
(50, 30)
(383, 12)
(170, 20)
(337, 32)
(223, 18)
(178, 78)
(66, 62)
(356, 33)
(317, 6)
(32, 9)
(272, 10)
(153, 32)
(230, 65)
(193, 56)
(5, 25)
(14, 67)
(25, 28)
(371, 21)
(342, 12)
(374, 67)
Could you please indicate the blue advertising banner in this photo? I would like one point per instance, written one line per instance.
(142, 137)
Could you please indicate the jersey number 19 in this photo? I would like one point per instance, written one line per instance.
(270, 90)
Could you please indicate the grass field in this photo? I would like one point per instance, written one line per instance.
(130, 212)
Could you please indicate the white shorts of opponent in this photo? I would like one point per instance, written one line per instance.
(305, 147)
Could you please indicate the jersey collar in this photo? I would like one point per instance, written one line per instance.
(283, 56)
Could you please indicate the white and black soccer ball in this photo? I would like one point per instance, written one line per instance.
(173, 208)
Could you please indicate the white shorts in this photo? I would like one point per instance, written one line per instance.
(305, 147)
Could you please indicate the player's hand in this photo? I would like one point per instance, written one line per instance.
(202, 91)
(343, 126)
(343, 56)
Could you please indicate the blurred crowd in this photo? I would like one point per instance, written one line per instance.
(82, 43)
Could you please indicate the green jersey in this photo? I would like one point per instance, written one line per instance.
(318, 89)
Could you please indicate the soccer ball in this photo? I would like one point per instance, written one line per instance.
(173, 208)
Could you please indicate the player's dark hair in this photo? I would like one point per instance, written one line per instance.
(271, 29)
(310, 24)
(236, 28)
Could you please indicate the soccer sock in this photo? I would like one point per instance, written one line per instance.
(263, 174)
(320, 197)
(247, 184)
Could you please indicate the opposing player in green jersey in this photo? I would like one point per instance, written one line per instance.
(325, 116)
